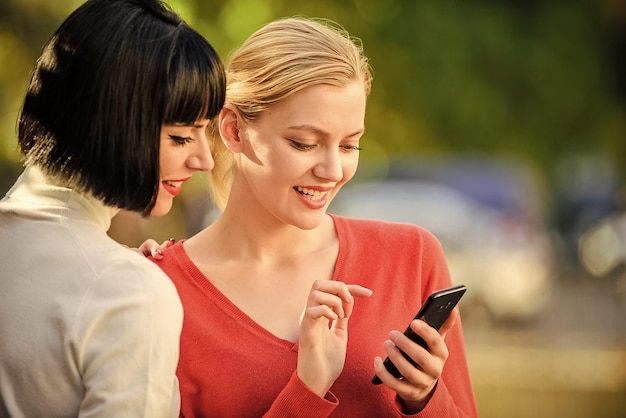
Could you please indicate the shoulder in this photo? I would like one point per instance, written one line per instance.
(118, 272)
(383, 230)
(135, 271)
(396, 251)
(175, 262)
(128, 288)
(395, 244)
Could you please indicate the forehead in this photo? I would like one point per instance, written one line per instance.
(325, 107)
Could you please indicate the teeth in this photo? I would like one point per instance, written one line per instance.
(312, 194)
(172, 183)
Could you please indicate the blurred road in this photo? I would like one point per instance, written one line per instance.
(569, 362)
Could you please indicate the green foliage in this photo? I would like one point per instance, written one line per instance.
(532, 79)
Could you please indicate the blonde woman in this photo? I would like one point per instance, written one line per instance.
(272, 321)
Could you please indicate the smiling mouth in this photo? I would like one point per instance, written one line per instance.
(310, 194)
(173, 187)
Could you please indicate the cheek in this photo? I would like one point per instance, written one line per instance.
(172, 159)
(163, 159)
(264, 163)
(350, 166)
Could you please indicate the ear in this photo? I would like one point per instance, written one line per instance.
(230, 123)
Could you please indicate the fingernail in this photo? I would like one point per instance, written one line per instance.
(159, 251)
(171, 240)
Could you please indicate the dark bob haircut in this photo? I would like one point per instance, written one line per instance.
(111, 75)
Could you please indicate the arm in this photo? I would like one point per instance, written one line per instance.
(453, 395)
(322, 350)
(297, 400)
(442, 385)
(126, 343)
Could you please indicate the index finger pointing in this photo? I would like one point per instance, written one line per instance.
(359, 291)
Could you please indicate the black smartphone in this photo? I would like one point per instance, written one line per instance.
(434, 312)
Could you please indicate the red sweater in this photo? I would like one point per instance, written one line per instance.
(231, 367)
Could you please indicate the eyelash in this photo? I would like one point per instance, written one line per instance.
(300, 146)
(180, 140)
(305, 147)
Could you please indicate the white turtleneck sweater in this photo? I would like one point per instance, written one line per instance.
(87, 327)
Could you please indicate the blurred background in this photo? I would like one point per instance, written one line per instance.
(498, 125)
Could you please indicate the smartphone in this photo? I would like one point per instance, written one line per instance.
(434, 312)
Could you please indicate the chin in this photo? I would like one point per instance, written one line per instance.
(161, 208)
(312, 222)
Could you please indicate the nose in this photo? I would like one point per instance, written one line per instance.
(201, 159)
(330, 166)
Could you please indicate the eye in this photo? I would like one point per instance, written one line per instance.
(300, 146)
(348, 148)
(181, 140)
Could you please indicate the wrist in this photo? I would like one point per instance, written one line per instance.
(413, 407)
(314, 384)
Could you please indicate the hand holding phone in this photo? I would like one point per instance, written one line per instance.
(434, 312)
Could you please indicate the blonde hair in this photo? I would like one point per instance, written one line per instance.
(278, 60)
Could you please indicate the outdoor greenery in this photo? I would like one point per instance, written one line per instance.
(536, 80)
(538, 84)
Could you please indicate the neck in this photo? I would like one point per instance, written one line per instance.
(270, 239)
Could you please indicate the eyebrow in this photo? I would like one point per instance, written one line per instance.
(190, 125)
(321, 132)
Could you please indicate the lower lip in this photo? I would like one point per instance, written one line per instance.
(312, 204)
(173, 190)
